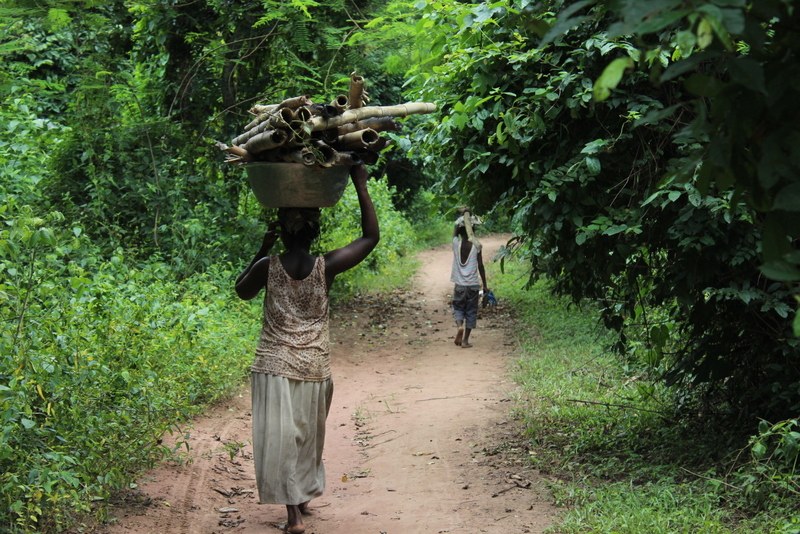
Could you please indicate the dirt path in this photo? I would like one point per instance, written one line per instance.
(420, 438)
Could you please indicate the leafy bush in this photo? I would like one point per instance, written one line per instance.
(630, 201)
(99, 360)
(619, 455)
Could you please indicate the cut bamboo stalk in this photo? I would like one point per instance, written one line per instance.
(340, 103)
(255, 122)
(235, 154)
(280, 118)
(360, 140)
(326, 155)
(303, 114)
(296, 102)
(300, 132)
(283, 117)
(353, 115)
(268, 111)
(379, 124)
(268, 140)
(261, 112)
(304, 156)
(356, 96)
(327, 136)
(260, 109)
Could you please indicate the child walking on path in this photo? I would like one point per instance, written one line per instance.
(465, 273)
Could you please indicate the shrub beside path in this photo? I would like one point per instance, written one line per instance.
(420, 436)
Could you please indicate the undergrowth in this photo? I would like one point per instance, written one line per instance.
(622, 452)
(103, 355)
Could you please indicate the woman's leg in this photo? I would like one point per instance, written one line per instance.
(294, 522)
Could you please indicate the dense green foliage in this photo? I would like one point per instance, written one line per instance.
(618, 455)
(642, 151)
(665, 193)
(122, 231)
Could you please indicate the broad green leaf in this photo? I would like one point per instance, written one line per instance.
(781, 271)
(610, 78)
(616, 229)
(593, 164)
(686, 42)
(593, 147)
(705, 34)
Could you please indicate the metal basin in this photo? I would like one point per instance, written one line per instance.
(294, 185)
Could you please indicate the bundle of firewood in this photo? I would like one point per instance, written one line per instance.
(297, 130)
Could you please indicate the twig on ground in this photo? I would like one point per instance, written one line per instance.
(444, 398)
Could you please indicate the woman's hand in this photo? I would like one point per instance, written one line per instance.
(270, 236)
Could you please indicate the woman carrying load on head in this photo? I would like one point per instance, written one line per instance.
(291, 375)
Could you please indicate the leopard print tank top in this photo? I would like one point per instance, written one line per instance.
(294, 340)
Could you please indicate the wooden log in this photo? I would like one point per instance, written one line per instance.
(359, 140)
(353, 115)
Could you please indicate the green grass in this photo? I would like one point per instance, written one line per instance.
(620, 454)
(398, 272)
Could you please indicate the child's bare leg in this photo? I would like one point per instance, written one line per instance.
(459, 332)
(465, 342)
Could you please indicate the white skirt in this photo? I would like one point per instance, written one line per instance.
(288, 437)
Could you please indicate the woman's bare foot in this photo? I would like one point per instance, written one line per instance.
(466, 345)
(304, 509)
(459, 336)
(294, 523)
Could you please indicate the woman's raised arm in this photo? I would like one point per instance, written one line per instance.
(339, 260)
